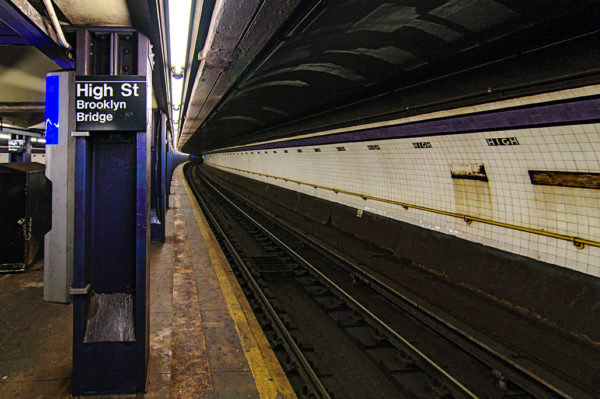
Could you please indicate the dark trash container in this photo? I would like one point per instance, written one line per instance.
(25, 207)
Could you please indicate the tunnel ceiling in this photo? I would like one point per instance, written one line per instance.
(328, 55)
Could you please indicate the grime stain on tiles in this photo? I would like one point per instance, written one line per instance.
(468, 170)
(565, 179)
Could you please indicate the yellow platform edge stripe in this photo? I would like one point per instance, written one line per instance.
(271, 381)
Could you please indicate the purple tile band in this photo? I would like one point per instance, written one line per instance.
(569, 112)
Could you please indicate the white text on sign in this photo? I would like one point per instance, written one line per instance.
(99, 92)
(100, 106)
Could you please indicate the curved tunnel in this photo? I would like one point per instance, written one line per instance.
(473, 121)
(447, 148)
(448, 108)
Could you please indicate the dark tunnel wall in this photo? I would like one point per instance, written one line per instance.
(339, 63)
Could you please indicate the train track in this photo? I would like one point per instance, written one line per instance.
(342, 332)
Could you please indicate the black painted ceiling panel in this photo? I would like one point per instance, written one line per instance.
(344, 51)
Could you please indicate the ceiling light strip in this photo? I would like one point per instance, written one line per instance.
(179, 32)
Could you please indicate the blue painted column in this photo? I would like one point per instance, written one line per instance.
(158, 200)
(25, 154)
(111, 232)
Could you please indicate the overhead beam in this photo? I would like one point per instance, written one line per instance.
(14, 107)
(21, 17)
(9, 130)
(10, 37)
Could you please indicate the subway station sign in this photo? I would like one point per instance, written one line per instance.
(110, 103)
(16, 145)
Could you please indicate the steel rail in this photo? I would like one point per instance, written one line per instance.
(397, 297)
(293, 349)
(429, 362)
(391, 293)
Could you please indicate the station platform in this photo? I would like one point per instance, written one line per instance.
(205, 341)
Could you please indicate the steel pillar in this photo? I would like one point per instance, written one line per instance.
(159, 177)
(169, 171)
(112, 179)
(25, 155)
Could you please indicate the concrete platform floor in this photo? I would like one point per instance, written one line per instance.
(35, 339)
(205, 342)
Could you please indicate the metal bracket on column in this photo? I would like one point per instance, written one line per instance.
(81, 291)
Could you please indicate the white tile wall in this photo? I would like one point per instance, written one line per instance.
(41, 158)
(422, 177)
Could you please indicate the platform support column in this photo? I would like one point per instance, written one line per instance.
(23, 156)
(111, 234)
(168, 170)
(158, 168)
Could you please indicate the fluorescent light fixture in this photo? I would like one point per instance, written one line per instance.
(179, 30)
(4, 136)
(176, 91)
(37, 140)
(180, 12)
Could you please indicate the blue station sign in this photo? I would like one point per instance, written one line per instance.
(110, 103)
